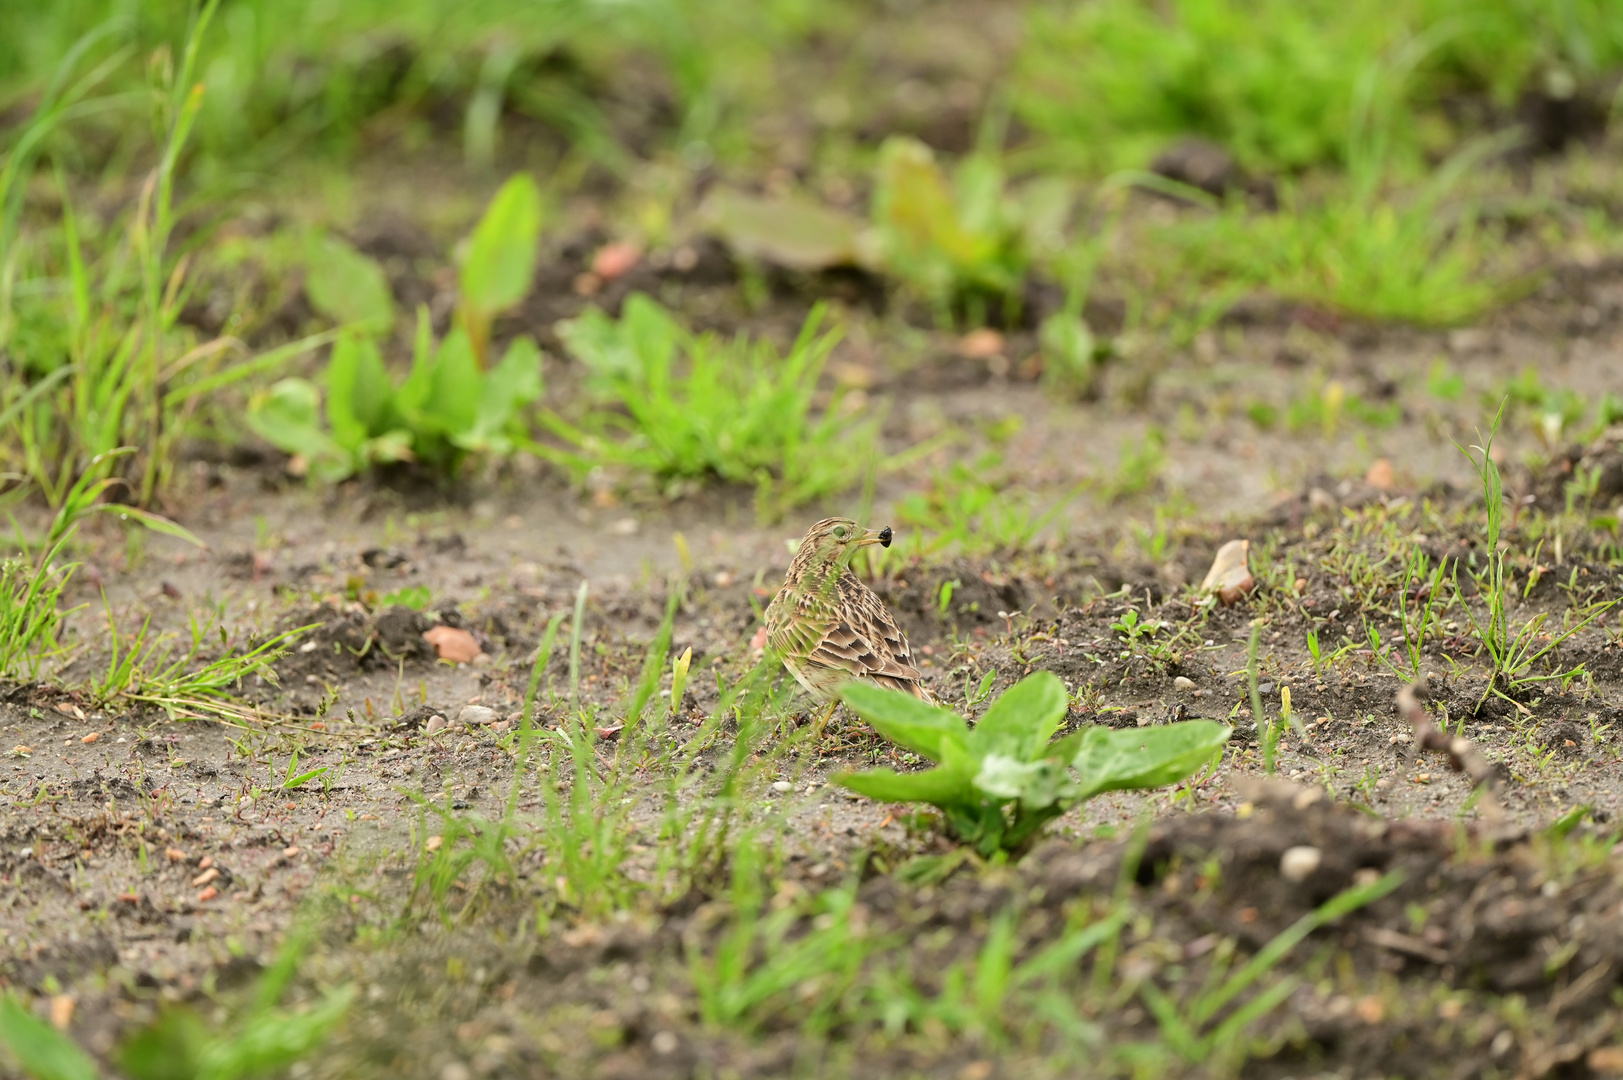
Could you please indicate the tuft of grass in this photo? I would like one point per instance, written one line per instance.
(92, 355)
(975, 508)
(265, 1039)
(1110, 83)
(688, 408)
(1280, 82)
(33, 580)
(1409, 256)
(1514, 655)
(1192, 1029)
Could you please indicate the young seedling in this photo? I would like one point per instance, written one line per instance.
(998, 784)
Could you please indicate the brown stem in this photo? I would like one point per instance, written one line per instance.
(1463, 756)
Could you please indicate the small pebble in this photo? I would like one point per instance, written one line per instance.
(476, 714)
(1299, 862)
(435, 725)
(664, 1042)
(782, 786)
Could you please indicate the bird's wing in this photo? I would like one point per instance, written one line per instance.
(865, 641)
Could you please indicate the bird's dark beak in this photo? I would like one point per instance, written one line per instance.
(881, 537)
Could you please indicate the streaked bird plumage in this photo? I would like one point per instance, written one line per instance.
(829, 627)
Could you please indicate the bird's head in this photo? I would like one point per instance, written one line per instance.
(833, 541)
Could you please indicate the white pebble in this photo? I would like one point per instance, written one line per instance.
(664, 1042)
(782, 786)
(1184, 682)
(476, 714)
(435, 725)
(1298, 862)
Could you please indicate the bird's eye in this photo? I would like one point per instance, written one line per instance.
(839, 532)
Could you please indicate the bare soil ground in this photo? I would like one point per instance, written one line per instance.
(147, 860)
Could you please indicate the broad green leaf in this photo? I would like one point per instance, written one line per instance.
(455, 387)
(500, 263)
(359, 393)
(925, 729)
(979, 184)
(287, 415)
(510, 385)
(414, 393)
(791, 232)
(1020, 723)
(1037, 784)
(1148, 757)
(42, 1051)
(938, 786)
(348, 287)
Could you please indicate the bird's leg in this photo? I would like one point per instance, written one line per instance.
(822, 721)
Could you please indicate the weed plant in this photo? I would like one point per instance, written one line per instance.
(693, 407)
(1513, 655)
(1279, 83)
(182, 1045)
(93, 357)
(32, 581)
(453, 402)
(957, 244)
(974, 508)
(998, 784)
(1408, 257)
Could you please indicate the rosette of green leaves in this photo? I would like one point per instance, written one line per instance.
(998, 783)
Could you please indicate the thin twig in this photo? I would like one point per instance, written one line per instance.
(1463, 756)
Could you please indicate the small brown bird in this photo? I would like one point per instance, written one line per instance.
(829, 627)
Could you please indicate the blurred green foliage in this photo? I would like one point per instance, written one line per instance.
(1285, 84)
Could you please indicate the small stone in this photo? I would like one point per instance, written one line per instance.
(981, 344)
(782, 787)
(664, 1042)
(435, 725)
(456, 1070)
(205, 877)
(476, 714)
(1184, 682)
(1299, 862)
(433, 843)
(1370, 1009)
(1230, 575)
(62, 1011)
